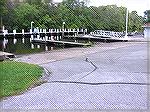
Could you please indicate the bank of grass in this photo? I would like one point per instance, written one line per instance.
(16, 77)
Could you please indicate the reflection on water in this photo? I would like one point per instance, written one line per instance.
(23, 46)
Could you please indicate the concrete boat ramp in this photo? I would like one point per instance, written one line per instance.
(4, 55)
(62, 42)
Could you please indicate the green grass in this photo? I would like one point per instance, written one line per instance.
(16, 77)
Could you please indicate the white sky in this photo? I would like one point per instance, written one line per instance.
(138, 5)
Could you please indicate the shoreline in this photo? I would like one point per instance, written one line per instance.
(67, 53)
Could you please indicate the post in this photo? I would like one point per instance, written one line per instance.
(63, 28)
(38, 46)
(14, 32)
(31, 38)
(126, 32)
(32, 46)
(31, 26)
(3, 28)
(14, 40)
(23, 41)
(46, 48)
(5, 32)
(78, 31)
(22, 31)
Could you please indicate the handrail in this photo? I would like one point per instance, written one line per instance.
(110, 34)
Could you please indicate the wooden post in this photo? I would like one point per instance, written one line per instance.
(22, 31)
(5, 32)
(60, 37)
(38, 46)
(52, 48)
(46, 48)
(31, 38)
(23, 41)
(4, 44)
(30, 31)
(32, 46)
(51, 31)
(63, 29)
(14, 32)
(14, 40)
(77, 31)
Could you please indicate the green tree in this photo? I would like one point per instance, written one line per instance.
(75, 13)
(2, 11)
(135, 22)
(25, 13)
(147, 16)
(36, 2)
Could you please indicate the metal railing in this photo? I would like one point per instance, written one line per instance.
(107, 34)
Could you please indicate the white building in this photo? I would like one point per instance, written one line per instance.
(147, 31)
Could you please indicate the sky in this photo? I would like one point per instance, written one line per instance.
(133, 5)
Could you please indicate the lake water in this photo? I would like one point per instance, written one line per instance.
(20, 46)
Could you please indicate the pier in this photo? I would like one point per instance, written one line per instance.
(102, 35)
(61, 42)
(43, 32)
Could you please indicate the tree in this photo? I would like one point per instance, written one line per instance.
(25, 13)
(147, 16)
(36, 2)
(2, 6)
(75, 13)
(2, 11)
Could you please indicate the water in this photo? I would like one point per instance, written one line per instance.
(24, 46)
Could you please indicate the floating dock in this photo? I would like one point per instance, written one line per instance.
(62, 42)
(98, 38)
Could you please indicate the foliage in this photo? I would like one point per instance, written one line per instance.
(147, 16)
(2, 7)
(25, 13)
(16, 77)
(75, 14)
(135, 22)
(3, 11)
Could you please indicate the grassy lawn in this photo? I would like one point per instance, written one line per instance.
(16, 77)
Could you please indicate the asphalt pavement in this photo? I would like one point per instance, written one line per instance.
(109, 79)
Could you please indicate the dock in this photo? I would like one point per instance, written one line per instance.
(97, 38)
(62, 42)
(43, 32)
(102, 35)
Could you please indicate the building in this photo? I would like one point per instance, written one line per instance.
(147, 30)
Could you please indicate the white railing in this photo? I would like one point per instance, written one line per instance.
(107, 34)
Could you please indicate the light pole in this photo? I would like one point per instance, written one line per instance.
(63, 29)
(31, 26)
(126, 32)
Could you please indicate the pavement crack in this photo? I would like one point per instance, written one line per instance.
(95, 68)
(46, 74)
(102, 83)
